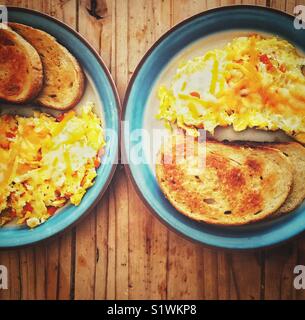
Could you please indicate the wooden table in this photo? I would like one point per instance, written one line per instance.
(120, 251)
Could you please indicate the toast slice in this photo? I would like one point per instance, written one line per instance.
(296, 153)
(64, 78)
(21, 74)
(237, 184)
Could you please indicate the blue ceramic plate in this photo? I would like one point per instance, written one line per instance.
(208, 25)
(102, 87)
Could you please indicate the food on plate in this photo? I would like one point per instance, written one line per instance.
(45, 162)
(296, 153)
(237, 184)
(253, 82)
(63, 76)
(21, 74)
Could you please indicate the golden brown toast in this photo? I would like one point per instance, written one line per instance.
(238, 184)
(296, 153)
(21, 74)
(64, 78)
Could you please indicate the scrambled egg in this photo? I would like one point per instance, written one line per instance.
(253, 82)
(46, 162)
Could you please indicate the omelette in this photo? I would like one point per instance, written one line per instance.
(46, 162)
(253, 82)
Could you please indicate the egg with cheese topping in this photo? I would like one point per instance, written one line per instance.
(253, 82)
(46, 162)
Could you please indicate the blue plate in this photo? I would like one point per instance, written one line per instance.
(106, 92)
(260, 19)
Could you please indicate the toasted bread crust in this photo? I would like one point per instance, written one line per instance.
(296, 153)
(21, 78)
(237, 186)
(64, 79)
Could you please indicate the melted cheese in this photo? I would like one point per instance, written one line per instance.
(253, 82)
(46, 163)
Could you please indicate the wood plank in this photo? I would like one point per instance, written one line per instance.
(223, 276)
(185, 269)
(102, 226)
(117, 274)
(120, 52)
(158, 261)
(139, 247)
(14, 275)
(278, 4)
(290, 4)
(111, 273)
(65, 266)
(183, 9)
(120, 195)
(210, 4)
(85, 259)
(105, 279)
(27, 274)
(255, 2)
(41, 271)
(216, 275)
(106, 9)
(229, 2)
(246, 275)
(52, 266)
(140, 37)
(279, 265)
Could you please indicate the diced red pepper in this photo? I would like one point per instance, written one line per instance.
(51, 210)
(39, 155)
(12, 213)
(28, 207)
(97, 162)
(283, 68)
(6, 117)
(265, 60)
(60, 117)
(195, 94)
(10, 135)
(83, 180)
(5, 145)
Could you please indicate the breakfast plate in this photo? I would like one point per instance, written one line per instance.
(194, 37)
(94, 115)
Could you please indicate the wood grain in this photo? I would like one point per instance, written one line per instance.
(121, 251)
